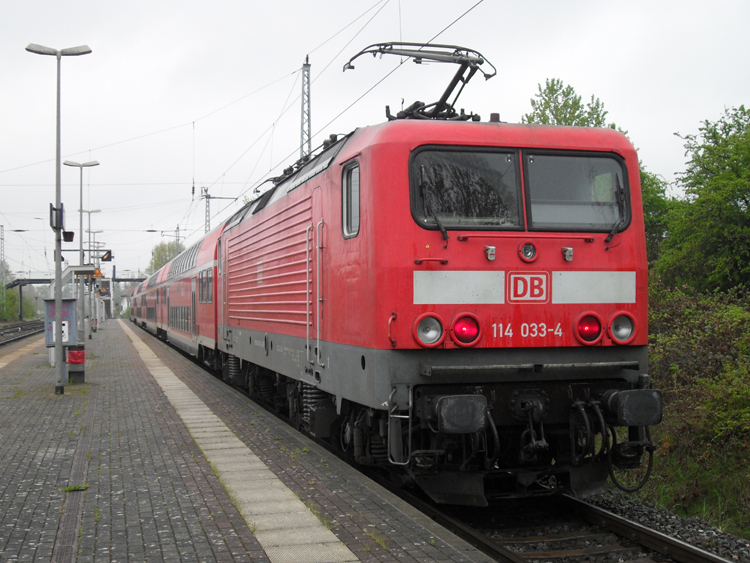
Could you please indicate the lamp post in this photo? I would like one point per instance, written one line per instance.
(80, 244)
(88, 325)
(57, 224)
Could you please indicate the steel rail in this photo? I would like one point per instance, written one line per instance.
(22, 330)
(657, 541)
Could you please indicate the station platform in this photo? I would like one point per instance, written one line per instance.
(154, 459)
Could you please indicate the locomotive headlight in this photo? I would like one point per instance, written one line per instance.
(466, 330)
(622, 328)
(527, 252)
(428, 330)
(588, 328)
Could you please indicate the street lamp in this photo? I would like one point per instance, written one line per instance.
(80, 244)
(57, 224)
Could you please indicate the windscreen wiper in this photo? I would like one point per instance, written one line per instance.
(620, 197)
(428, 205)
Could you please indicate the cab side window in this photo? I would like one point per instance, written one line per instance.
(350, 200)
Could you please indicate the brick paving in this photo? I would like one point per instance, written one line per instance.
(151, 495)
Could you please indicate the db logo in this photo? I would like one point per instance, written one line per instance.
(528, 287)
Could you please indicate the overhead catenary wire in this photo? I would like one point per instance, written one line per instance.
(371, 13)
(352, 104)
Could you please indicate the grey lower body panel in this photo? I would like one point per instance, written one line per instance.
(367, 376)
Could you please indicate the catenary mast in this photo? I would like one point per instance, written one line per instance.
(305, 139)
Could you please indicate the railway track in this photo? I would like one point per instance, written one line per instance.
(12, 332)
(563, 530)
(559, 529)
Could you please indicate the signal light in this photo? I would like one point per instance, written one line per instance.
(466, 330)
(622, 328)
(429, 330)
(588, 328)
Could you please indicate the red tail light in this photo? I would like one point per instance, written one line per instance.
(466, 330)
(588, 329)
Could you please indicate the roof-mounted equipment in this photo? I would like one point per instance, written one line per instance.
(467, 59)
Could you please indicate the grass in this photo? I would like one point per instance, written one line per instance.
(317, 514)
(73, 488)
(377, 539)
(713, 486)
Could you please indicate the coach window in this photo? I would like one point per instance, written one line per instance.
(210, 292)
(350, 200)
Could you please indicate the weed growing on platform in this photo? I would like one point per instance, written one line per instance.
(19, 393)
(377, 539)
(73, 488)
(316, 512)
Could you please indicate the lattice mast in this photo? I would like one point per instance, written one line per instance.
(305, 138)
(208, 197)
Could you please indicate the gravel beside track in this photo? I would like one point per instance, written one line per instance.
(689, 530)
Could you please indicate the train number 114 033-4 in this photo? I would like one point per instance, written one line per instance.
(528, 330)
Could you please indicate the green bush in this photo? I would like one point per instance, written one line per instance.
(699, 357)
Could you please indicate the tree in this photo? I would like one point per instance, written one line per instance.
(558, 104)
(708, 246)
(163, 253)
(656, 209)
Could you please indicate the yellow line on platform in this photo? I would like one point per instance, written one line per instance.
(285, 528)
(5, 360)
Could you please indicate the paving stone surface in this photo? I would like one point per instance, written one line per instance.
(373, 524)
(150, 494)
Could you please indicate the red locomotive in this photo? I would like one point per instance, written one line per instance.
(465, 302)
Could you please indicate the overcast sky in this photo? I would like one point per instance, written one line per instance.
(181, 93)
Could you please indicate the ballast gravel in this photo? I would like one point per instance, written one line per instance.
(689, 530)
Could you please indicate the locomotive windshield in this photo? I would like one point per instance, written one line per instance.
(481, 189)
(574, 192)
(466, 189)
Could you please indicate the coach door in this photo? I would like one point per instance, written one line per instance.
(193, 311)
(221, 289)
